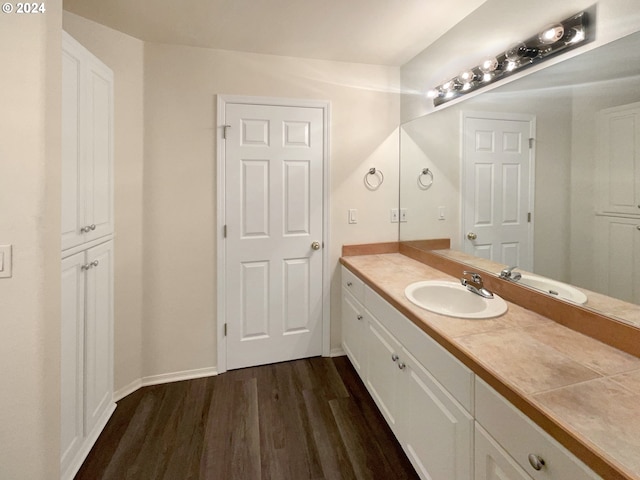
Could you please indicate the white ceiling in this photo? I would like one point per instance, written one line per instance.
(383, 32)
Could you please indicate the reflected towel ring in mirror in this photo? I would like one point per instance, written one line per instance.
(375, 173)
(425, 185)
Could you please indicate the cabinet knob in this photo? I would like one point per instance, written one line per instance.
(349, 284)
(86, 266)
(359, 317)
(638, 227)
(401, 365)
(95, 263)
(85, 229)
(536, 461)
(92, 226)
(394, 357)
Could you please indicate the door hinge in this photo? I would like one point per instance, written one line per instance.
(529, 217)
(225, 329)
(531, 142)
(224, 131)
(224, 231)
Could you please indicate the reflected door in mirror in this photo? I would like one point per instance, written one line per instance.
(497, 163)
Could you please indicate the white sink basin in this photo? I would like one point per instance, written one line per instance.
(552, 287)
(454, 300)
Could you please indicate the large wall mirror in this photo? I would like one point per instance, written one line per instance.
(564, 206)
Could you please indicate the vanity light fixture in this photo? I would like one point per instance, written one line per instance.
(556, 38)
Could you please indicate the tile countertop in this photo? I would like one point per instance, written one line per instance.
(584, 393)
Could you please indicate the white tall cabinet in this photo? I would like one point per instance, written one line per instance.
(617, 222)
(87, 253)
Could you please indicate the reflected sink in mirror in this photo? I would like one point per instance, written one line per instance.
(453, 300)
(554, 288)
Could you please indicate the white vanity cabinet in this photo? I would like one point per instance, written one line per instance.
(433, 427)
(517, 445)
(450, 423)
(353, 324)
(87, 145)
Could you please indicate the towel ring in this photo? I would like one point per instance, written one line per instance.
(428, 173)
(375, 173)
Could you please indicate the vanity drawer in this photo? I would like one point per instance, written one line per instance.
(454, 376)
(520, 437)
(353, 284)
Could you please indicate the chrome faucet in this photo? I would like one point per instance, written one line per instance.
(509, 274)
(474, 284)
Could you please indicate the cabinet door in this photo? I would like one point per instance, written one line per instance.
(98, 164)
(87, 149)
(72, 129)
(618, 257)
(382, 369)
(353, 330)
(492, 462)
(98, 333)
(435, 431)
(71, 359)
(618, 157)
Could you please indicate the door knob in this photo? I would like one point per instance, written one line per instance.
(471, 236)
(315, 245)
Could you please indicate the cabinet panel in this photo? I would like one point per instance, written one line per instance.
(87, 146)
(72, 358)
(492, 462)
(99, 166)
(618, 257)
(72, 188)
(618, 166)
(353, 330)
(435, 431)
(382, 369)
(98, 333)
(520, 437)
(353, 284)
(445, 368)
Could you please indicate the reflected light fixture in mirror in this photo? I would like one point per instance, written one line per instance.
(556, 38)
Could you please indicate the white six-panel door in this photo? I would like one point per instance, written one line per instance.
(273, 215)
(497, 169)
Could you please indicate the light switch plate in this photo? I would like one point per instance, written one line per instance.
(5, 261)
(353, 215)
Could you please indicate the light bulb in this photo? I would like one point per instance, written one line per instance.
(551, 34)
(433, 93)
(489, 65)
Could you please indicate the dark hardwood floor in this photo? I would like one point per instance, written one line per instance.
(306, 419)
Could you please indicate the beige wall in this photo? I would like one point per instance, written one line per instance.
(477, 37)
(181, 84)
(30, 221)
(124, 55)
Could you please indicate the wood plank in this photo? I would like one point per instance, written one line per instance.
(310, 419)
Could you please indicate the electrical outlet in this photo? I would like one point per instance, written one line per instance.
(403, 215)
(353, 215)
(394, 215)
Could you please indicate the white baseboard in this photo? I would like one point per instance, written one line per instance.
(127, 390)
(179, 376)
(164, 378)
(88, 443)
(337, 352)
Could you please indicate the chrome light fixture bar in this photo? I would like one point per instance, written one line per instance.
(554, 39)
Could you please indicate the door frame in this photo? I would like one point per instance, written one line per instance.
(528, 117)
(222, 101)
